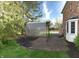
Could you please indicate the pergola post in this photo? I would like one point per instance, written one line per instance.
(48, 30)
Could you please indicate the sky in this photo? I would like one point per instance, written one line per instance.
(52, 10)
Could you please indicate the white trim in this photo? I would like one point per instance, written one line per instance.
(70, 36)
(73, 20)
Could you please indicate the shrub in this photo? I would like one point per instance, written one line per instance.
(77, 41)
(1, 44)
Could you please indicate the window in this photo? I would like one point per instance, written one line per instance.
(72, 27)
(67, 27)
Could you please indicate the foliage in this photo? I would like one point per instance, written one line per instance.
(77, 41)
(1, 45)
(57, 26)
(12, 19)
(32, 11)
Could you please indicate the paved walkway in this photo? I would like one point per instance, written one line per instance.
(54, 43)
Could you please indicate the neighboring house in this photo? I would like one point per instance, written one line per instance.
(71, 20)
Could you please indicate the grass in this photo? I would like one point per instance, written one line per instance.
(48, 54)
(14, 50)
(76, 41)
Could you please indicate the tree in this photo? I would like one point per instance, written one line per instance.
(12, 17)
(32, 11)
(58, 24)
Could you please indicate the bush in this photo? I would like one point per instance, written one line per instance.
(6, 42)
(77, 41)
(1, 44)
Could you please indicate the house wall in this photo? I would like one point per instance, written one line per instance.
(71, 9)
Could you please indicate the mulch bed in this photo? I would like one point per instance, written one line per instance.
(73, 51)
(26, 41)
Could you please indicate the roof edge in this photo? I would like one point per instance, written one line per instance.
(64, 6)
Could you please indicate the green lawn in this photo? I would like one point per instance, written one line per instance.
(12, 49)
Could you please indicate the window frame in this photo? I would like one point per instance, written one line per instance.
(67, 27)
(72, 27)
